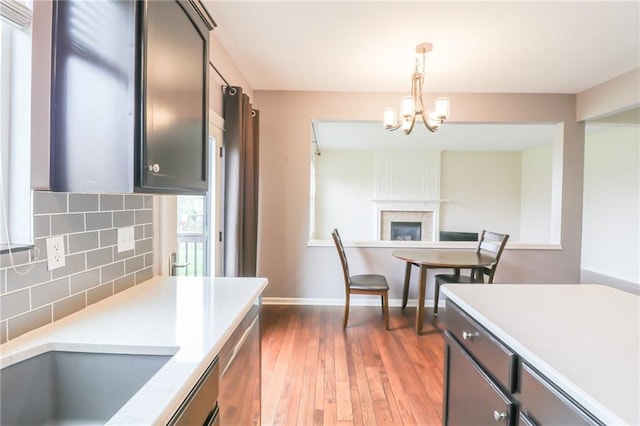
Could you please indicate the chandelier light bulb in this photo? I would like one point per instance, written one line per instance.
(442, 108)
(407, 106)
(389, 118)
(434, 120)
(407, 124)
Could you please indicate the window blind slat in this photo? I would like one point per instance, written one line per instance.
(16, 12)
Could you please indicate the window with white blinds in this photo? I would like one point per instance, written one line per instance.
(15, 123)
(16, 12)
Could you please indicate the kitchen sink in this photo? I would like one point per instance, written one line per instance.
(72, 388)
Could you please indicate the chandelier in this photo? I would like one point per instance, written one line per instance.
(410, 106)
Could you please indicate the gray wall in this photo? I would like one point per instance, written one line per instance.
(94, 269)
(295, 270)
(611, 221)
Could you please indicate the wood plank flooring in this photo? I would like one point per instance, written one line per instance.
(316, 373)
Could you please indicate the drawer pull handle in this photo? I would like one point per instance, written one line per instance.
(469, 336)
(499, 416)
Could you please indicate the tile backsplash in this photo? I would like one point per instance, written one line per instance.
(94, 270)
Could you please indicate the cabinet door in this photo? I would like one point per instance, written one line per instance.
(545, 405)
(174, 107)
(524, 420)
(93, 96)
(471, 397)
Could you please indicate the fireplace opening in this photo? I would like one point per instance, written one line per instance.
(406, 231)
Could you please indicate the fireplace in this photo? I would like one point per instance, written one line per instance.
(406, 231)
(407, 225)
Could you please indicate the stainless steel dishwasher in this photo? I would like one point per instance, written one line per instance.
(200, 408)
(240, 360)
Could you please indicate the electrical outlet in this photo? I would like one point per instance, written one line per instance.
(55, 252)
(126, 239)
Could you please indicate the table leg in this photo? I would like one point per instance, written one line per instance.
(405, 289)
(478, 275)
(421, 295)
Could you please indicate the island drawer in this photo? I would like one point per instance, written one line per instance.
(497, 359)
(472, 396)
(545, 405)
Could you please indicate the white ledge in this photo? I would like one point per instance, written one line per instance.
(407, 200)
(432, 244)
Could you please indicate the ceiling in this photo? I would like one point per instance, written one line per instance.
(502, 47)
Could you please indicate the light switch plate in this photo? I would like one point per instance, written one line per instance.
(126, 239)
(55, 252)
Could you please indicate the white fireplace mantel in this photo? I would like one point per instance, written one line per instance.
(416, 201)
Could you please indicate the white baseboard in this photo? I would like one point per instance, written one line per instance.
(591, 277)
(355, 301)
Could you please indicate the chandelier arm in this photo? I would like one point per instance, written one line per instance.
(431, 128)
(413, 122)
(419, 81)
(417, 91)
(415, 83)
(424, 114)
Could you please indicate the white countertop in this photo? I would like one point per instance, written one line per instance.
(189, 318)
(584, 338)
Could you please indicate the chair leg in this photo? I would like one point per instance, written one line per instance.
(436, 295)
(346, 311)
(385, 309)
(405, 288)
(382, 303)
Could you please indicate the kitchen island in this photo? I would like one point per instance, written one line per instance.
(189, 319)
(582, 342)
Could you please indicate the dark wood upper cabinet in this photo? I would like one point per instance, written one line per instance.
(129, 96)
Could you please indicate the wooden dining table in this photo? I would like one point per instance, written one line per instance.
(435, 259)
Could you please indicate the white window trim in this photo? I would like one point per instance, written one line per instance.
(15, 65)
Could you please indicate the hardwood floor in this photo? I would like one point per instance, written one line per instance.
(316, 373)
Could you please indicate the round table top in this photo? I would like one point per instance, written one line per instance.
(444, 258)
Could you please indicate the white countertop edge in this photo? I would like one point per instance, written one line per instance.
(594, 407)
(161, 396)
(15, 358)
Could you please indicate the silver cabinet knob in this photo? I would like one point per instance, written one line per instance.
(468, 336)
(499, 416)
(154, 168)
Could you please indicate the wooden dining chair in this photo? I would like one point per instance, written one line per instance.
(490, 243)
(361, 284)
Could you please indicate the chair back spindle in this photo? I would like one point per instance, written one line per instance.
(343, 256)
(492, 244)
(489, 243)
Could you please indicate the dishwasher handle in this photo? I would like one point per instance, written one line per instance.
(239, 345)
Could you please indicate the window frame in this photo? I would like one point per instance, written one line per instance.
(16, 216)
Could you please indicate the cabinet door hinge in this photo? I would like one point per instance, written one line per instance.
(220, 236)
(220, 152)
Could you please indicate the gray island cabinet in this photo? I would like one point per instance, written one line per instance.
(541, 355)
